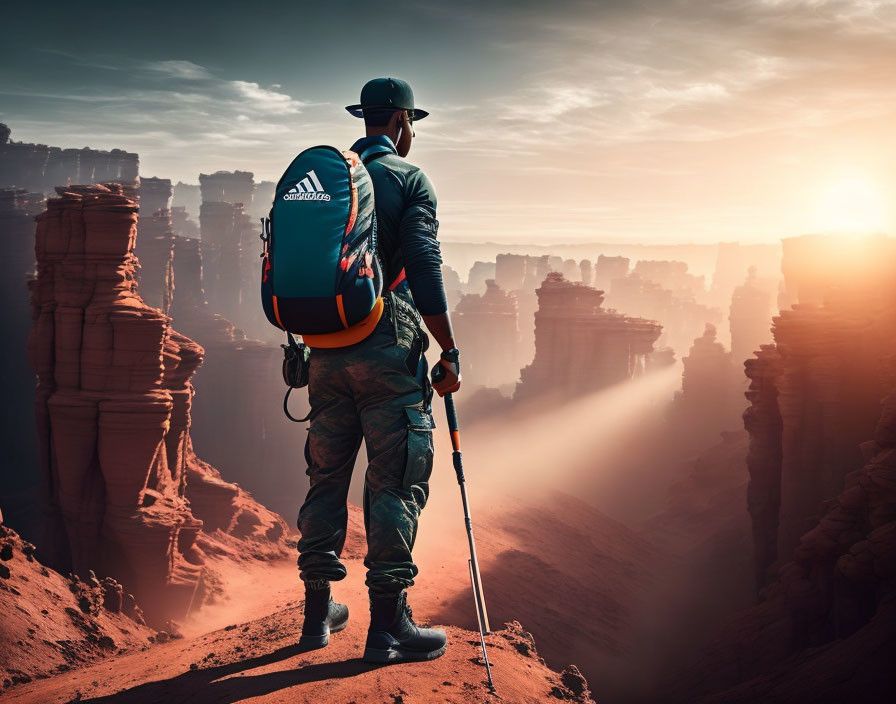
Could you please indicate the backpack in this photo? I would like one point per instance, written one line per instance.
(321, 277)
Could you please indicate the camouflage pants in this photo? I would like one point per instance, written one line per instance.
(378, 391)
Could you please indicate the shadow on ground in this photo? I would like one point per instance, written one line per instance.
(206, 686)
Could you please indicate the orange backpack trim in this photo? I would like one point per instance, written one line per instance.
(357, 332)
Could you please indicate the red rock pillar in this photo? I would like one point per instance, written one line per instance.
(103, 413)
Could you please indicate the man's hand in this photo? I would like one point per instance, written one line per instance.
(446, 373)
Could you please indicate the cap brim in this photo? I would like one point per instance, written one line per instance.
(358, 111)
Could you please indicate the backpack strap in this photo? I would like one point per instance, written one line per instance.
(398, 279)
(373, 152)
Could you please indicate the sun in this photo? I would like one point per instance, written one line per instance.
(852, 204)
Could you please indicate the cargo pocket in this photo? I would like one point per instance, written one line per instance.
(418, 466)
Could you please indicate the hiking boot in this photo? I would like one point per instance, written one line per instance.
(323, 616)
(393, 635)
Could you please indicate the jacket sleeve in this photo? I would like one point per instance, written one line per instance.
(420, 251)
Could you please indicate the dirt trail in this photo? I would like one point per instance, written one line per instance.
(259, 660)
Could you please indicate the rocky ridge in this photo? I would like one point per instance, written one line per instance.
(120, 478)
(52, 624)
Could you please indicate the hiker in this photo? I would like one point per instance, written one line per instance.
(377, 390)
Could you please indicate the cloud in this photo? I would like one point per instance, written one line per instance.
(684, 70)
(184, 70)
(546, 103)
(165, 110)
(724, 111)
(267, 101)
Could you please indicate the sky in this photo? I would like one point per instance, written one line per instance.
(619, 120)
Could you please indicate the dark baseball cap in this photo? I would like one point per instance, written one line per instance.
(387, 93)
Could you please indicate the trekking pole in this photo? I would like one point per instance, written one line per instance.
(473, 562)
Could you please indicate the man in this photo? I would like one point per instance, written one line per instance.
(377, 390)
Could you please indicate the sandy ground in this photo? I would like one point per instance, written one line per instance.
(255, 658)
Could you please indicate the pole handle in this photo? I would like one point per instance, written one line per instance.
(451, 413)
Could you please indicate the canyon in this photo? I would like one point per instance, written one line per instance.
(681, 462)
(820, 497)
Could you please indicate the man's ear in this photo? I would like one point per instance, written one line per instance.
(395, 123)
(405, 133)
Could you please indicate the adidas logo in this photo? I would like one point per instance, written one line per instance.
(309, 188)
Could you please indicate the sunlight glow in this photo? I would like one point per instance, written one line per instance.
(852, 204)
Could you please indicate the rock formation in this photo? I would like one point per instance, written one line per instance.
(825, 630)
(710, 400)
(681, 315)
(219, 224)
(749, 315)
(52, 624)
(487, 325)
(155, 245)
(660, 358)
(537, 268)
(480, 272)
(707, 365)
(510, 271)
(230, 248)
(262, 200)
(182, 225)
(555, 263)
(729, 270)
(239, 425)
(189, 197)
(155, 194)
(571, 270)
(671, 275)
(822, 493)
(733, 261)
(228, 187)
(521, 275)
(579, 346)
(609, 269)
(453, 286)
(762, 420)
(113, 413)
(18, 481)
(829, 375)
(585, 271)
(39, 168)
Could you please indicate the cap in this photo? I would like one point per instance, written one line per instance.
(387, 93)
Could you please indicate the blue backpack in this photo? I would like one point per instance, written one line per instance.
(321, 277)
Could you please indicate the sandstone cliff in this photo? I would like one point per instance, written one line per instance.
(113, 401)
(18, 485)
(580, 346)
(39, 168)
(488, 325)
(822, 493)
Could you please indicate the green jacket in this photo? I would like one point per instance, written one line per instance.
(407, 228)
